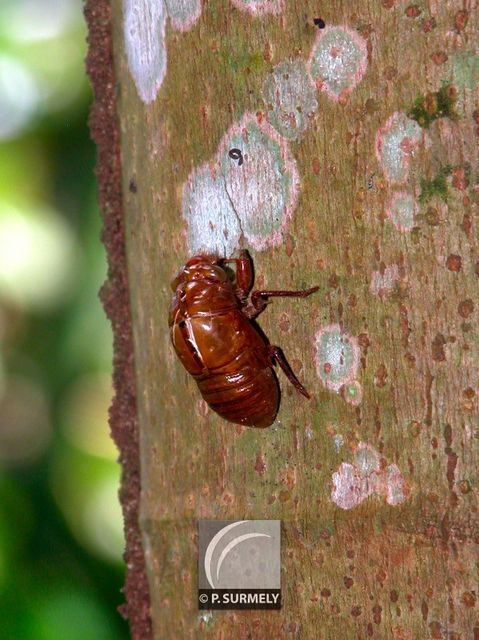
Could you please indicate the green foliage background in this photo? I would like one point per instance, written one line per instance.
(61, 537)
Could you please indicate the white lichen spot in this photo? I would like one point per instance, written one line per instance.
(353, 483)
(337, 357)
(347, 487)
(352, 393)
(338, 441)
(384, 281)
(183, 13)
(396, 488)
(290, 96)
(338, 60)
(259, 7)
(401, 210)
(396, 143)
(366, 459)
(249, 191)
(144, 34)
(212, 224)
(263, 189)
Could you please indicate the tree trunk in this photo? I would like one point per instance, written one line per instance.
(338, 144)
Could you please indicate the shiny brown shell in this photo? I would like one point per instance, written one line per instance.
(215, 337)
(221, 348)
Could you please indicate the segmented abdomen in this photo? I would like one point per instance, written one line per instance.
(242, 393)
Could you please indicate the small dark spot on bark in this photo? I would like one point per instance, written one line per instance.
(260, 464)
(333, 281)
(448, 435)
(381, 575)
(348, 582)
(413, 11)
(356, 611)
(464, 487)
(325, 593)
(380, 376)
(393, 595)
(132, 186)
(363, 340)
(415, 428)
(436, 630)
(439, 57)
(377, 611)
(411, 360)
(460, 20)
(466, 308)
(454, 263)
(319, 22)
(468, 599)
(428, 25)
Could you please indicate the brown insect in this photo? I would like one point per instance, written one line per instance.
(213, 332)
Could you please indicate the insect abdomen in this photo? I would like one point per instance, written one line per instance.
(245, 396)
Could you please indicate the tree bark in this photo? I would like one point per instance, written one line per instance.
(357, 129)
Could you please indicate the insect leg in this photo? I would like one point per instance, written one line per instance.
(244, 274)
(277, 356)
(259, 299)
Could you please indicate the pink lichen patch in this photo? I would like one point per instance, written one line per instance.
(352, 393)
(348, 487)
(259, 7)
(263, 188)
(396, 143)
(384, 281)
(183, 13)
(290, 96)
(337, 357)
(338, 60)
(401, 210)
(367, 475)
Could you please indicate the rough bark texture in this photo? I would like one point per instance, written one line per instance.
(374, 479)
(114, 295)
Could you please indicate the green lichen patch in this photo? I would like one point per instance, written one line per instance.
(437, 186)
(465, 69)
(434, 105)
